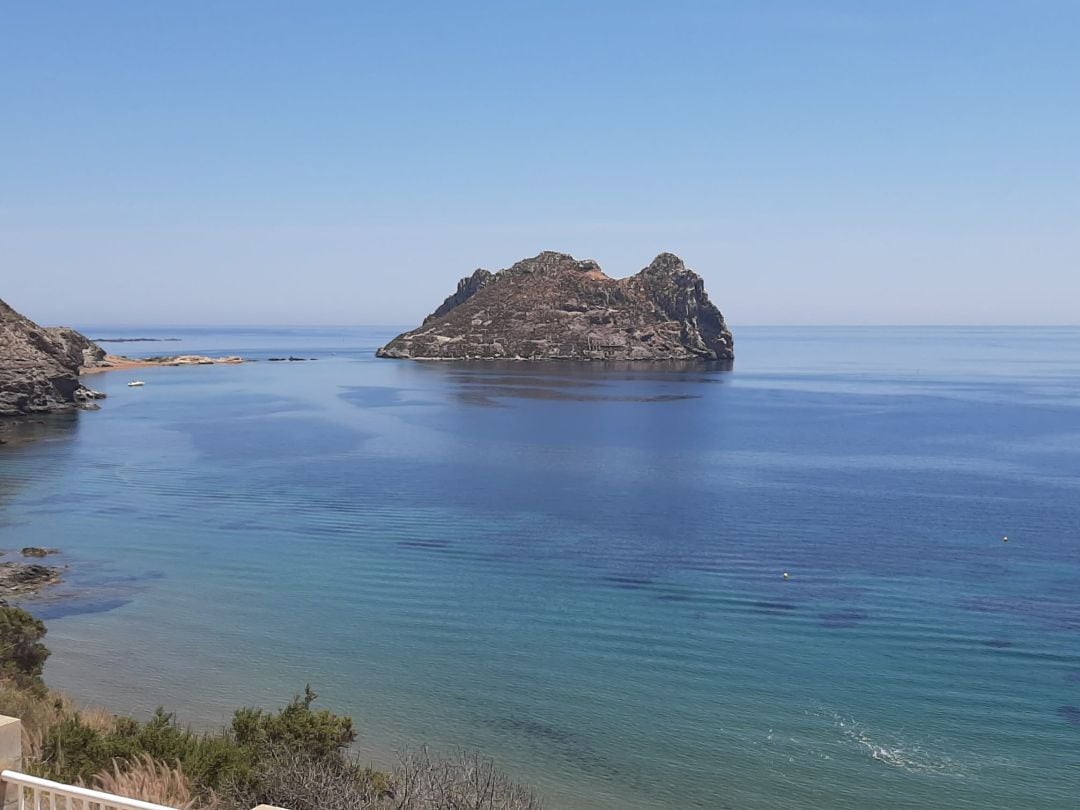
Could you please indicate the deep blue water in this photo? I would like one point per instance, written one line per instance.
(578, 569)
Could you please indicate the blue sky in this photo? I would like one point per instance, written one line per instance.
(346, 163)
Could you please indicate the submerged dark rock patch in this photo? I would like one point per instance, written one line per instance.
(1070, 714)
(628, 581)
(538, 729)
(1057, 612)
(491, 392)
(371, 396)
(424, 544)
(674, 597)
(77, 606)
(568, 745)
(841, 619)
(476, 398)
(516, 380)
(770, 606)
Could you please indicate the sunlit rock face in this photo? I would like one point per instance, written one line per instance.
(39, 367)
(556, 307)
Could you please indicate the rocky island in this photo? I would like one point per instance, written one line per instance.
(555, 307)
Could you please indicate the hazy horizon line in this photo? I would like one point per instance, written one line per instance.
(935, 325)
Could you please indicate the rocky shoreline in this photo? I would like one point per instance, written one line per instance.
(41, 369)
(21, 579)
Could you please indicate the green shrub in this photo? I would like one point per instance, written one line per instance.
(73, 751)
(227, 761)
(22, 655)
(211, 761)
(318, 735)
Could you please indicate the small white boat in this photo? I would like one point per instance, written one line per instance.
(135, 383)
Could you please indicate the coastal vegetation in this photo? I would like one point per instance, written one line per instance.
(296, 757)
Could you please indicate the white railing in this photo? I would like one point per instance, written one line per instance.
(41, 794)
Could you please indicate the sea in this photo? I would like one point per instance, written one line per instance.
(579, 570)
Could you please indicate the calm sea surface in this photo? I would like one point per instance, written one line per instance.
(578, 569)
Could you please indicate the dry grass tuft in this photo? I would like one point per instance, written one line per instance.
(37, 713)
(95, 717)
(40, 711)
(151, 780)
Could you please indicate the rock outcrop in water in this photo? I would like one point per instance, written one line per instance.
(554, 307)
(39, 367)
(20, 579)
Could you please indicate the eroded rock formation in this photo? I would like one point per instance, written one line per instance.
(39, 367)
(555, 307)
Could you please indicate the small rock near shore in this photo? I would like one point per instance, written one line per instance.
(38, 551)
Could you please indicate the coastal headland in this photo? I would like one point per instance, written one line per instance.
(41, 368)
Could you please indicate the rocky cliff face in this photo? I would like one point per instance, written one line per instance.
(554, 307)
(39, 368)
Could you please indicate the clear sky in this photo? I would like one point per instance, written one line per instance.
(345, 163)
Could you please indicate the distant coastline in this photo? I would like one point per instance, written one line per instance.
(136, 340)
(118, 362)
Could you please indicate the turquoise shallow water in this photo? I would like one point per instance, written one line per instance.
(578, 569)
